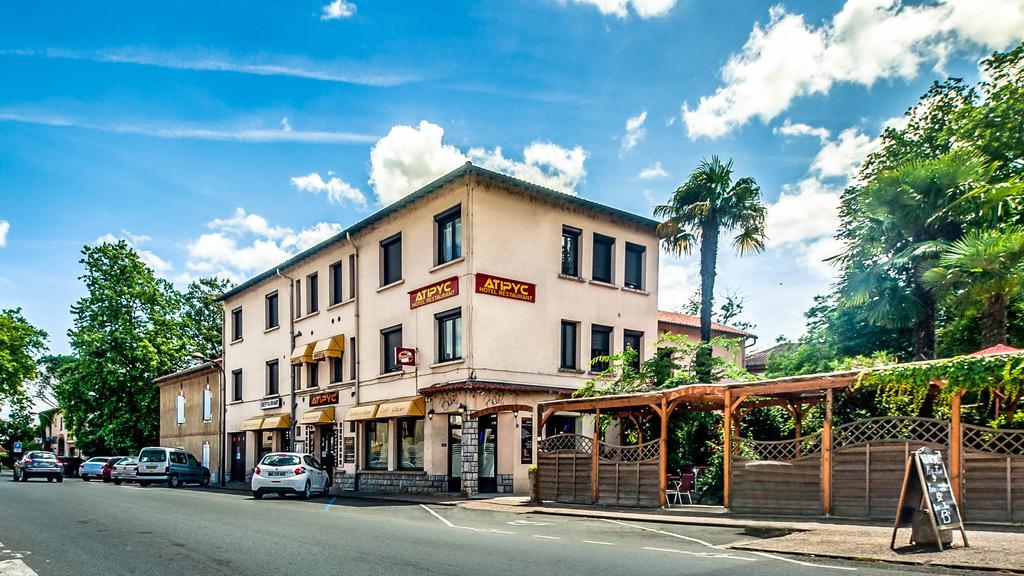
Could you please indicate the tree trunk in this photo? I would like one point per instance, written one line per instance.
(924, 324)
(708, 263)
(993, 321)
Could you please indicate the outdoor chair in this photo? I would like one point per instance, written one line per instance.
(677, 487)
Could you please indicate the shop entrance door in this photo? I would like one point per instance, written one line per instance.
(454, 453)
(238, 457)
(488, 458)
(328, 447)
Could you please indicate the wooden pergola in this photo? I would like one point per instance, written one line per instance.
(796, 394)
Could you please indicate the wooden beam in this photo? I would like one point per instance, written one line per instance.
(956, 440)
(826, 457)
(594, 485)
(663, 455)
(727, 448)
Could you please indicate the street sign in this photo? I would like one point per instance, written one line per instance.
(17, 447)
(405, 356)
(39, 440)
(928, 490)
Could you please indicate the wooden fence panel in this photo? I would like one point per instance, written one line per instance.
(790, 488)
(993, 472)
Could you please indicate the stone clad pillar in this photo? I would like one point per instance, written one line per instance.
(470, 457)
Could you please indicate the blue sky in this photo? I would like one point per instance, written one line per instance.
(223, 138)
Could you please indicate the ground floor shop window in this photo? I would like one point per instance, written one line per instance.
(410, 443)
(377, 445)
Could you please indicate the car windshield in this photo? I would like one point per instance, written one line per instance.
(127, 461)
(153, 456)
(97, 460)
(280, 460)
(42, 456)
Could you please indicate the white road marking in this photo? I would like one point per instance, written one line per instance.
(15, 568)
(546, 537)
(438, 516)
(681, 537)
(719, 555)
(528, 523)
(790, 560)
(596, 542)
(501, 531)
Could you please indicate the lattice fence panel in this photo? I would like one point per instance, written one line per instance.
(993, 441)
(646, 452)
(566, 443)
(778, 450)
(883, 428)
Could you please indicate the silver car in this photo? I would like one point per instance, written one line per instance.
(125, 470)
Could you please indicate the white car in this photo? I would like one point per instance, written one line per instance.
(125, 470)
(289, 473)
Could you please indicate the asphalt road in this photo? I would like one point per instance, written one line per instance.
(78, 528)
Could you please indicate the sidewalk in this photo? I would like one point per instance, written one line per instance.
(992, 547)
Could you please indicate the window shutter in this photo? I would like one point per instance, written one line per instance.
(207, 405)
(181, 409)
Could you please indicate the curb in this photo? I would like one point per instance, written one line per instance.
(895, 561)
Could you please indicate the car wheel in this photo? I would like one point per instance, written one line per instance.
(24, 476)
(143, 484)
(117, 482)
(327, 486)
(257, 495)
(49, 478)
(205, 480)
(60, 479)
(306, 492)
(85, 478)
(173, 481)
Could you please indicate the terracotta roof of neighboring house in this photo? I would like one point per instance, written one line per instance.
(997, 349)
(466, 169)
(190, 371)
(689, 321)
(759, 359)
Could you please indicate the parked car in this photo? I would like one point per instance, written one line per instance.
(171, 465)
(70, 464)
(108, 467)
(93, 467)
(40, 465)
(289, 473)
(124, 470)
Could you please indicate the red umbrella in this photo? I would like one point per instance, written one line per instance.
(997, 349)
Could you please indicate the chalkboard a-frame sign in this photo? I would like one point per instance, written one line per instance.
(926, 487)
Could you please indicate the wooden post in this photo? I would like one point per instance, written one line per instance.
(826, 456)
(663, 455)
(594, 486)
(956, 440)
(727, 449)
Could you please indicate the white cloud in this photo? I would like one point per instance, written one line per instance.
(159, 266)
(202, 60)
(245, 244)
(866, 41)
(634, 131)
(620, 8)
(184, 132)
(678, 280)
(844, 156)
(336, 189)
(337, 10)
(652, 172)
(804, 219)
(5, 227)
(799, 129)
(409, 157)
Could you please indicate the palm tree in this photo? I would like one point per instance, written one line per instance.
(986, 268)
(895, 227)
(710, 202)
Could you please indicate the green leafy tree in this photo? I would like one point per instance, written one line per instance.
(983, 269)
(126, 333)
(708, 203)
(20, 344)
(893, 228)
(202, 317)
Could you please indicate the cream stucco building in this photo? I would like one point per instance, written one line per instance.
(421, 338)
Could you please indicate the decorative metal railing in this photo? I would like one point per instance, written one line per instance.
(882, 428)
(993, 441)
